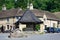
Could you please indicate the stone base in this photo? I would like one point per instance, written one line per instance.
(18, 34)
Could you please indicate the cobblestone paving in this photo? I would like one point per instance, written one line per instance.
(48, 36)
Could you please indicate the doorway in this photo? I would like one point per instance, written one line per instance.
(29, 27)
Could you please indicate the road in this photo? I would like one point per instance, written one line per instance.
(48, 36)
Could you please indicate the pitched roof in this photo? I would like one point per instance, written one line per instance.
(18, 12)
(10, 13)
(57, 15)
(41, 13)
(29, 17)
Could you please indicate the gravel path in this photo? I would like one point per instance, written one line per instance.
(50, 36)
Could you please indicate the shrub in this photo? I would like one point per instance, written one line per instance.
(37, 27)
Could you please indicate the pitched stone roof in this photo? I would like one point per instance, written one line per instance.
(18, 12)
(41, 13)
(29, 17)
(57, 15)
(10, 13)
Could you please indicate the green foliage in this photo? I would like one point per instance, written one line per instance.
(49, 5)
(37, 27)
(9, 4)
(22, 3)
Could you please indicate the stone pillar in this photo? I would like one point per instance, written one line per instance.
(6, 28)
(21, 26)
(41, 28)
(12, 26)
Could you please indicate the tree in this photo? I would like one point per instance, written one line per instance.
(49, 5)
(9, 4)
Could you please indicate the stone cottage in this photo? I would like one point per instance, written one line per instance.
(57, 15)
(9, 17)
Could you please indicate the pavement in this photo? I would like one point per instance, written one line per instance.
(47, 36)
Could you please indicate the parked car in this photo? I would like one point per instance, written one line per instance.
(57, 30)
(49, 29)
(53, 30)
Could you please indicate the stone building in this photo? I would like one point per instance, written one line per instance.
(9, 17)
(57, 15)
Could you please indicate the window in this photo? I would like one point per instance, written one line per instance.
(44, 19)
(7, 19)
(54, 25)
(45, 27)
(17, 17)
(7, 26)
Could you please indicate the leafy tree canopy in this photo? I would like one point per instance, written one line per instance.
(49, 5)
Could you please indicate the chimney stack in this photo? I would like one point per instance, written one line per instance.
(31, 6)
(4, 7)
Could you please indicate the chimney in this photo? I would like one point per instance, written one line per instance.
(20, 9)
(4, 7)
(31, 6)
(44, 16)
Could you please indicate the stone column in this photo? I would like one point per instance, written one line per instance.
(6, 28)
(21, 26)
(41, 28)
